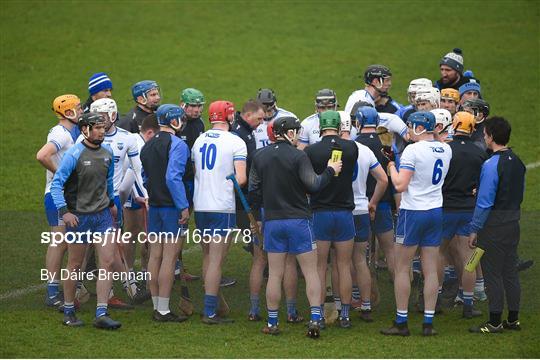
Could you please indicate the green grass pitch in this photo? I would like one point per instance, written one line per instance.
(229, 50)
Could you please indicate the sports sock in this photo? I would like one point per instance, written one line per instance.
(291, 307)
(513, 316)
(155, 300)
(101, 310)
(401, 316)
(356, 293)
(345, 310)
(210, 305)
(416, 266)
(495, 318)
(272, 317)
(452, 272)
(53, 288)
(428, 316)
(337, 301)
(322, 310)
(69, 308)
(467, 298)
(479, 285)
(163, 305)
(446, 273)
(254, 299)
(366, 305)
(315, 313)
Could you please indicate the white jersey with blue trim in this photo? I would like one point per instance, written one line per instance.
(356, 96)
(429, 160)
(366, 162)
(261, 132)
(393, 123)
(213, 155)
(310, 133)
(123, 145)
(62, 140)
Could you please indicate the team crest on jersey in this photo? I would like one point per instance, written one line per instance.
(87, 163)
(120, 145)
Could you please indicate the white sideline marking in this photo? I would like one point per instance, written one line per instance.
(17, 293)
(533, 165)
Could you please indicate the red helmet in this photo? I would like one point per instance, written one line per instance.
(220, 111)
(270, 131)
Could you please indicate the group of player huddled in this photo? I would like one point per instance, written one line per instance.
(320, 194)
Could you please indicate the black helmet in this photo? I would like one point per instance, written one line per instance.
(90, 119)
(284, 124)
(326, 97)
(479, 105)
(376, 71)
(266, 96)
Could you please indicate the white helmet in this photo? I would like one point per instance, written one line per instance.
(432, 94)
(443, 117)
(105, 105)
(415, 85)
(345, 121)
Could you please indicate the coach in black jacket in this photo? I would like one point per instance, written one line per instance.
(280, 177)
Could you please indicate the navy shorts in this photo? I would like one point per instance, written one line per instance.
(384, 220)
(164, 220)
(361, 226)
(215, 223)
(456, 223)
(53, 218)
(99, 222)
(293, 236)
(419, 227)
(333, 225)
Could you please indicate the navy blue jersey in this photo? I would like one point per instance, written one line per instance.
(164, 159)
(502, 184)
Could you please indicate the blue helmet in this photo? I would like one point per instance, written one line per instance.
(142, 87)
(367, 117)
(167, 113)
(424, 118)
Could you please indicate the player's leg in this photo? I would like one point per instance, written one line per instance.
(344, 232)
(334, 278)
(407, 237)
(53, 264)
(363, 274)
(431, 222)
(290, 287)
(467, 278)
(76, 254)
(106, 251)
(383, 226)
(155, 252)
(255, 281)
(302, 244)
(510, 274)
(276, 269)
(323, 248)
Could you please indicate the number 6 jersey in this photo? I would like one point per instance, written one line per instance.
(213, 156)
(429, 160)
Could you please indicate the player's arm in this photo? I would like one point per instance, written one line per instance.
(178, 158)
(303, 137)
(110, 185)
(45, 156)
(379, 175)
(394, 124)
(240, 161)
(254, 188)
(309, 177)
(487, 190)
(62, 174)
(136, 166)
(400, 179)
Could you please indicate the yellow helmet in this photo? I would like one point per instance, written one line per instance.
(451, 94)
(63, 103)
(464, 122)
